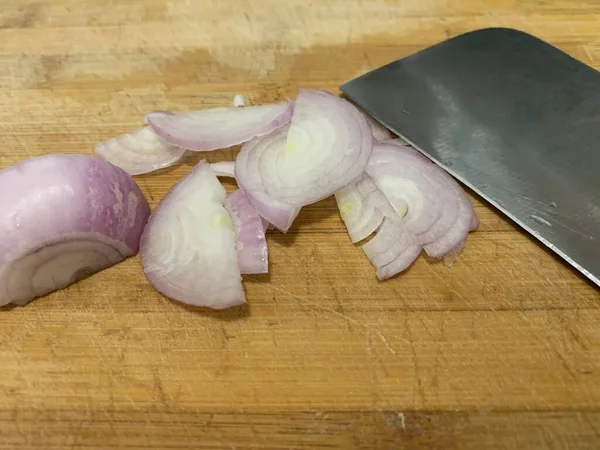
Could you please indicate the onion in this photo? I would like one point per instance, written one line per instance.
(139, 152)
(328, 145)
(223, 169)
(279, 213)
(188, 247)
(251, 243)
(432, 211)
(358, 211)
(238, 100)
(215, 128)
(380, 133)
(62, 218)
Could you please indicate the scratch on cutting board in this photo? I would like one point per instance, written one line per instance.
(343, 316)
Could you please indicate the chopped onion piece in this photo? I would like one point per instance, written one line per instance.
(238, 100)
(188, 247)
(279, 213)
(224, 169)
(251, 243)
(215, 128)
(328, 145)
(139, 152)
(432, 211)
(62, 218)
(359, 214)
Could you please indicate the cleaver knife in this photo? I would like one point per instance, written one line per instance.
(513, 118)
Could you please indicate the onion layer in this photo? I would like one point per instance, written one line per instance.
(215, 128)
(62, 218)
(358, 211)
(432, 211)
(328, 145)
(247, 174)
(251, 243)
(139, 152)
(223, 169)
(188, 247)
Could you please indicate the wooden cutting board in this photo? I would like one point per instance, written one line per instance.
(500, 351)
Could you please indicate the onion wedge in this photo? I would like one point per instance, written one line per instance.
(62, 218)
(251, 243)
(215, 128)
(188, 247)
(139, 152)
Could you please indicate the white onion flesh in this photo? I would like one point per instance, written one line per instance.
(62, 218)
(223, 169)
(188, 247)
(359, 213)
(139, 152)
(276, 212)
(238, 100)
(431, 211)
(327, 147)
(251, 243)
(216, 128)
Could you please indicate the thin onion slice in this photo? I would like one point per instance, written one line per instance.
(433, 212)
(215, 128)
(62, 218)
(251, 243)
(279, 213)
(360, 215)
(188, 247)
(328, 145)
(139, 152)
(227, 169)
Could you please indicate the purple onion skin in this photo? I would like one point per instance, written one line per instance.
(60, 198)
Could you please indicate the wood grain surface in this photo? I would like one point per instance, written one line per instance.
(501, 351)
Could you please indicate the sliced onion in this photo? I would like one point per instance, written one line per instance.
(359, 213)
(380, 133)
(188, 247)
(432, 211)
(328, 145)
(251, 243)
(279, 213)
(139, 152)
(215, 128)
(223, 169)
(409, 184)
(62, 218)
(227, 169)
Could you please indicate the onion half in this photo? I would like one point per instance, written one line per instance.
(62, 218)
(215, 128)
(188, 247)
(251, 243)
(139, 152)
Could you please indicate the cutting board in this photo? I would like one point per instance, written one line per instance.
(502, 350)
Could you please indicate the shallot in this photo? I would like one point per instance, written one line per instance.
(62, 218)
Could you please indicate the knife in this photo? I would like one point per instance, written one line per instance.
(513, 118)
